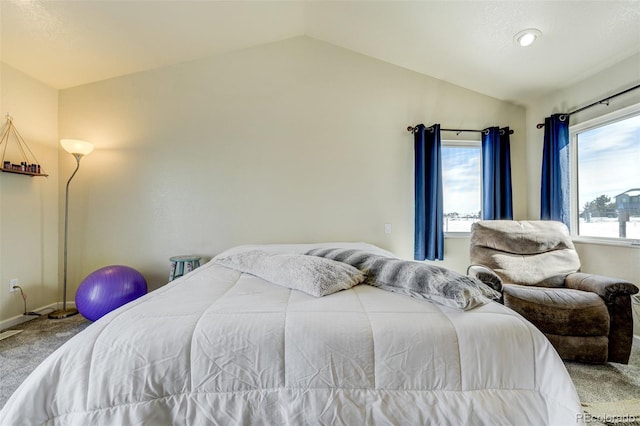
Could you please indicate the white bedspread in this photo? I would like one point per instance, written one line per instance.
(220, 347)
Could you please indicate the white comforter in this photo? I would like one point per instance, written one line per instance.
(221, 347)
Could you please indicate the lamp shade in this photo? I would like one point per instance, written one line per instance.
(75, 146)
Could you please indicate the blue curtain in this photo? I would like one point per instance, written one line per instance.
(554, 194)
(429, 226)
(496, 174)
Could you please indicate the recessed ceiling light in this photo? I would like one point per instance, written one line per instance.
(525, 37)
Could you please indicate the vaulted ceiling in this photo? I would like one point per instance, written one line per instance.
(467, 43)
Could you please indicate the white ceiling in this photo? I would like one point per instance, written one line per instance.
(468, 43)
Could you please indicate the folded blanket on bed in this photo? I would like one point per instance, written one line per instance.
(313, 275)
(415, 279)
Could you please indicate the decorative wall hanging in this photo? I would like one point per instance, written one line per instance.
(28, 164)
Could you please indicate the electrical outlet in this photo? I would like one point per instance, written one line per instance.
(13, 282)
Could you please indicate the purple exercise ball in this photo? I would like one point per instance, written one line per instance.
(108, 288)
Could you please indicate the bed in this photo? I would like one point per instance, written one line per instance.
(220, 346)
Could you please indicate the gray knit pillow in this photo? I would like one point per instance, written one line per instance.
(420, 280)
(313, 275)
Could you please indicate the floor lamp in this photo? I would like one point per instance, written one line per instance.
(78, 149)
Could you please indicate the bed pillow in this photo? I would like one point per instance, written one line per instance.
(311, 274)
(420, 280)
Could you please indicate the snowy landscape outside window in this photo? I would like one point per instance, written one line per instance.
(461, 185)
(606, 177)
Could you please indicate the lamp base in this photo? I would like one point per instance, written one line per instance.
(63, 313)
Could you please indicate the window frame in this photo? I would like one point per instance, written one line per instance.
(462, 143)
(574, 131)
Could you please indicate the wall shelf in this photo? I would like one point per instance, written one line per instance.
(29, 165)
(20, 172)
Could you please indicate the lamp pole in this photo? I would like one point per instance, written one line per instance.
(70, 146)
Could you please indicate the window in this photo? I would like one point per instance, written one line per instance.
(605, 182)
(461, 184)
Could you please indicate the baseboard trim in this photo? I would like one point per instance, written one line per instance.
(20, 319)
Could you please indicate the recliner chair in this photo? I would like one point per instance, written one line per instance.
(587, 318)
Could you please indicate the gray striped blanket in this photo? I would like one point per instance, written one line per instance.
(415, 279)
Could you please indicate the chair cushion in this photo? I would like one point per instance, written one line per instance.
(534, 252)
(559, 311)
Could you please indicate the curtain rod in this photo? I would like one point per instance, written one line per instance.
(458, 131)
(604, 101)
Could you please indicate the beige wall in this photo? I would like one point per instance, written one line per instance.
(289, 142)
(294, 141)
(623, 262)
(29, 206)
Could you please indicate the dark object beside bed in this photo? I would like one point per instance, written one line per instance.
(586, 317)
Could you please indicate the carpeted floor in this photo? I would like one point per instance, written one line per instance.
(625, 412)
(21, 353)
(609, 382)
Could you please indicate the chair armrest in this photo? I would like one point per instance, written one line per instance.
(486, 275)
(606, 287)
